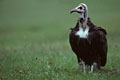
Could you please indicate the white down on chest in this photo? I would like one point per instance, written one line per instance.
(82, 33)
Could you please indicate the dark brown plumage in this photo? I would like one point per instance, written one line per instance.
(94, 48)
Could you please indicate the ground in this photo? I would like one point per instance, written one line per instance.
(34, 41)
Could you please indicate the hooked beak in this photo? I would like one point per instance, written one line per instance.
(74, 10)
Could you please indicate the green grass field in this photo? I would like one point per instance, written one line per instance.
(34, 41)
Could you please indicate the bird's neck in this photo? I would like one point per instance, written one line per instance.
(83, 22)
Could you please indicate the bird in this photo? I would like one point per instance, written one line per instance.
(88, 41)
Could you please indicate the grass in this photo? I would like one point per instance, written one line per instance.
(51, 61)
(34, 40)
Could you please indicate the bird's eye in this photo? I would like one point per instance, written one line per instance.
(80, 7)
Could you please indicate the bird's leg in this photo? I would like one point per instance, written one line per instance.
(84, 69)
(82, 63)
(79, 63)
(91, 70)
(94, 67)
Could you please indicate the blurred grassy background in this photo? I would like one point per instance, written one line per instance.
(44, 20)
(31, 29)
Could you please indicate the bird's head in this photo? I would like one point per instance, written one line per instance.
(82, 10)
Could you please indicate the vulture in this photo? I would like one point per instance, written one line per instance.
(88, 41)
